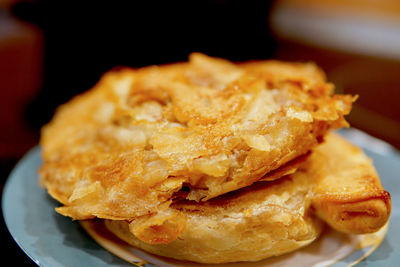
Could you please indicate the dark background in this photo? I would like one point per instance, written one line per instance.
(83, 41)
(52, 50)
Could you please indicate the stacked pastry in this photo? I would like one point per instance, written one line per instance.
(212, 161)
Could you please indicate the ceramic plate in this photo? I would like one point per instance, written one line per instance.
(50, 239)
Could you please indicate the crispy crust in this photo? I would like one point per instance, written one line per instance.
(259, 221)
(348, 194)
(337, 181)
(123, 149)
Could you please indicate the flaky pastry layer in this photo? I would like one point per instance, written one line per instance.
(337, 181)
(263, 220)
(124, 148)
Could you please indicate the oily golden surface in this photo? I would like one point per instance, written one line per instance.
(347, 193)
(263, 220)
(124, 148)
(337, 183)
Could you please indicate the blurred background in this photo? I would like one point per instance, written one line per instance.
(52, 50)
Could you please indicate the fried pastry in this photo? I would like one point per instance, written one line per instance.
(337, 182)
(125, 148)
(256, 222)
(347, 193)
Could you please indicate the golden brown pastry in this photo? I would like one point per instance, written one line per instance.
(262, 220)
(124, 149)
(348, 194)
(271, 218)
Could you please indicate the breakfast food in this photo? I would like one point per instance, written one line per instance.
(271, 218)
(141, 135)
(347, 193)
(259, 221)
(149, 149)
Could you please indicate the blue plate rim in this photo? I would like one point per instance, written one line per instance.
(374, 144)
